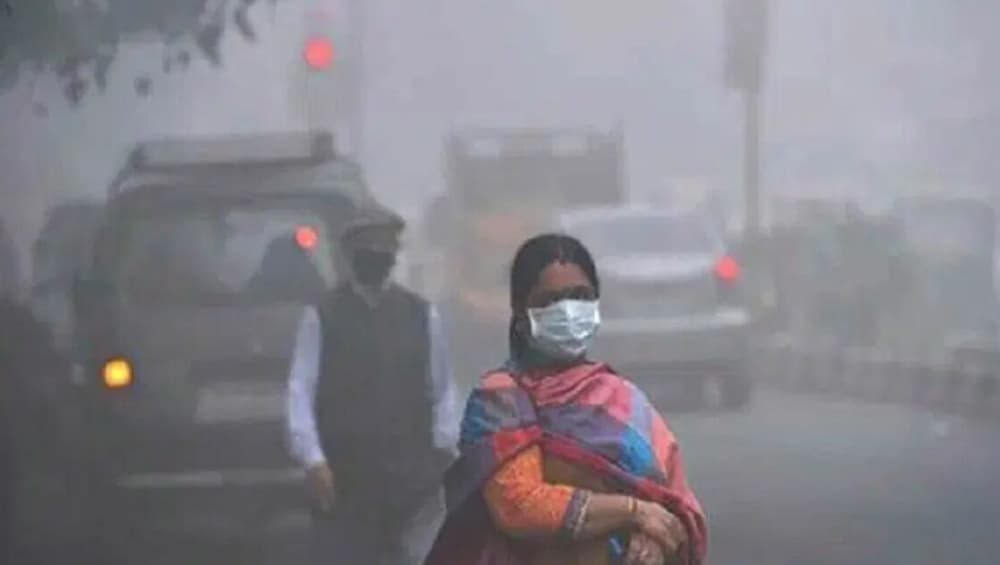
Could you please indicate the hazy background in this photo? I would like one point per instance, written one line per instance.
(894, 90)
(864, 99)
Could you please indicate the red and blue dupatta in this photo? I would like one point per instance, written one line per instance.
(586, 415)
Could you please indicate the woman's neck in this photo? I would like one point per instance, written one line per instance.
(528, 360)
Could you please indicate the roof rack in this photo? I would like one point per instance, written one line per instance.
(179, 153)
(233, 150)
(564, 142)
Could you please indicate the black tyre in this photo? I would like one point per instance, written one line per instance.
(737, 391)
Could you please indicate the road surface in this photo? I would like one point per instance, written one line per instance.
(803, 480)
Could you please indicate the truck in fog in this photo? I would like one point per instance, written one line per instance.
(186, 312)
(915, 281)
(836, 272)
(949, 246)
(502, 187)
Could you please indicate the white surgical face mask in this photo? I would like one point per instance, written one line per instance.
(565, 329)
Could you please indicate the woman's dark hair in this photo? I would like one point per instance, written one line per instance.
(533, 257)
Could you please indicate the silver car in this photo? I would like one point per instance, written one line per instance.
(671, 302)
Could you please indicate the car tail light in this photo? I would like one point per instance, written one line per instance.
(117, 374)
(727, 270)
(306, 237)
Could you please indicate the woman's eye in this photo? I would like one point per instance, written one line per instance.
(549, 300)
(581, 293)
(576, 293)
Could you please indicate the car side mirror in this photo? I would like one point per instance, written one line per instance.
(46, 287)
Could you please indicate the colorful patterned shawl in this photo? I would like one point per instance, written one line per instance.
(586, 415)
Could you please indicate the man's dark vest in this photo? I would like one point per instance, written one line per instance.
(373, 405)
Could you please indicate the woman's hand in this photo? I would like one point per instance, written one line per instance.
(659, 524)
(644, 550)
(320, 486)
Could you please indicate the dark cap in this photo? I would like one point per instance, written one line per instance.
(374, 225)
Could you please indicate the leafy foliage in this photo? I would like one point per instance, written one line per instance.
(78, 40)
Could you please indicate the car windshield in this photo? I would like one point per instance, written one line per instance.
(223, 254)
(660, 234)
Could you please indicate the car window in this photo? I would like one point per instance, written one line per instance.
(645, 234)
(224, 254)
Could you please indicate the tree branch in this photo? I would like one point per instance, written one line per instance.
(77, 40)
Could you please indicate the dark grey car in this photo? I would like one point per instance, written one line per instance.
(207, 253)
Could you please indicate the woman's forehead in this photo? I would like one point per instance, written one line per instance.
(561, 275)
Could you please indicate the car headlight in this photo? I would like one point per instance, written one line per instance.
(117, 373)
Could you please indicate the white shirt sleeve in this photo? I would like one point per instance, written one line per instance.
(444, 392)
(303, 436)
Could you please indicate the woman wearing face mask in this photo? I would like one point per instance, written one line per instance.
(562, 460)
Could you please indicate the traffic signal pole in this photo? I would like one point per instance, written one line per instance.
(332, 87)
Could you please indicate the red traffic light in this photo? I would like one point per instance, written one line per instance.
(318, 53)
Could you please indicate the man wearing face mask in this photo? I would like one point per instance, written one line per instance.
(372, 407)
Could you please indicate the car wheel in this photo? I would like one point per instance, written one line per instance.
(712, 394)
(104, 530)
(736, 391)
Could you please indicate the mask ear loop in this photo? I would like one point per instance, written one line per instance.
(532, 324)
(597, 314)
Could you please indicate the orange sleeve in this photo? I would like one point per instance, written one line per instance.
(522, 503)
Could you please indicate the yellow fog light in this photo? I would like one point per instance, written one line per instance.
(117, 373)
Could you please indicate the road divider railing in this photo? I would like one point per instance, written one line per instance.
(878, 377)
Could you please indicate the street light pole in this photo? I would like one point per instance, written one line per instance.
(746, 41)
(751, 161)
